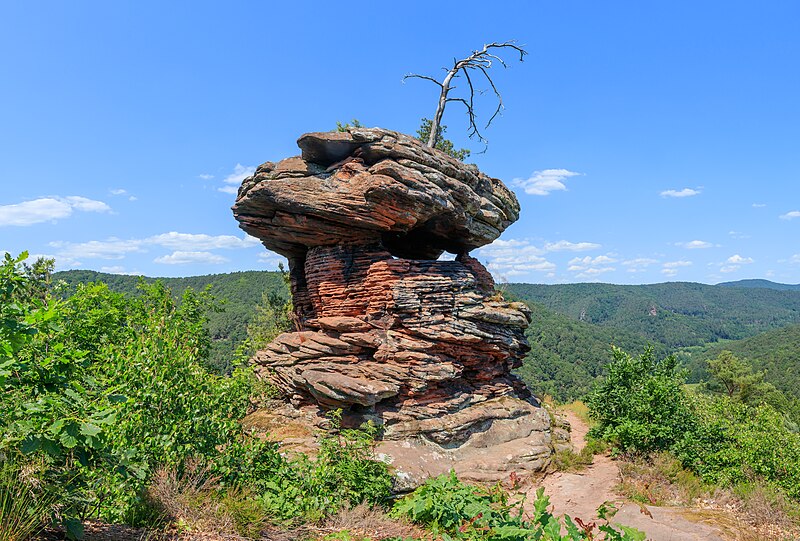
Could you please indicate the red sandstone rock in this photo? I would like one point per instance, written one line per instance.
(386, 331)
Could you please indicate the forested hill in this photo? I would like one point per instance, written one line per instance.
(776, 352)
(766, 284)
(237, 292)
(676, 314)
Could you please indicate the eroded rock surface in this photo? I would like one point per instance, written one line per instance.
(386, 331)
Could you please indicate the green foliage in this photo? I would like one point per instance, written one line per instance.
(568, 355)
(640, 405)
(344, 127)
(454, 510)
(774, 353)
(101, 388)
(344, 473)
(445, 145)
(273, 316)
(734, 443)
(235, 293)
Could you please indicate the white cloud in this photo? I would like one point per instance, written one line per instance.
(271, 259)
(676, 264)
(734, 263)
(590, 267)
(695, 244)
(738, 235)
(739, 260)
(670, 268)
(564, 245)
(194, 242)
(184, 258)
(240, 172)
(791, 215)
(113, 269)
(205, 176)
(639, 264)
(514, 257)
(545, 181)
(795, 259)
(686, 192)
(47, 209)
(122, 191)
(112, 248)
(759, 205)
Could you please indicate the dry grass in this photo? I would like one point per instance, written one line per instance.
(580, 409)
(751, 512)
(371, 523)
(188, 500)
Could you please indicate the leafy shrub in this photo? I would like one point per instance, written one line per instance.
(640, 405)
(733, 443)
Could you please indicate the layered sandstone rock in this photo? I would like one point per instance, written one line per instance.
(385, 330)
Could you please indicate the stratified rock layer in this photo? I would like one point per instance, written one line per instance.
(385, 330)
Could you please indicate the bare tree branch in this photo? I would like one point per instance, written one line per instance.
(482, 61)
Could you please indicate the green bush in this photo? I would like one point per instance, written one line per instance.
(640, 404)
(734, 443)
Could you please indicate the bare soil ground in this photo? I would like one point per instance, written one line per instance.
(580, 494)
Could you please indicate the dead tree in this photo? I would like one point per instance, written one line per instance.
(480, 62)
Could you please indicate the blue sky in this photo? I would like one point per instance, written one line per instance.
(646, 141)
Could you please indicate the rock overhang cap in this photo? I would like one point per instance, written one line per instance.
(367, 185)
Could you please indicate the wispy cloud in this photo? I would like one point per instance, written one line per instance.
(48, 209)
(738, 235)
(670, 268)
(695, 244)
(734, 263)
(205, 176)
(591, 267)
(112, 248)
(686, 192)
(791, 215)
(233, 180)
(185, 258)
(759, 205)
(795, 259)
(739, 260)
(513, 257)
(545, 181)
(639, 264)
(122, 191)
(200, 241)
(567, 246)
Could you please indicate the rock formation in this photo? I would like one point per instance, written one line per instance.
(384, 329)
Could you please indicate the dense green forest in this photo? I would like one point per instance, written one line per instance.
(567, 356)
(766, 284)
(775, 352)
(675, 314)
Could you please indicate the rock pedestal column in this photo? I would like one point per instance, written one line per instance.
(385, 330)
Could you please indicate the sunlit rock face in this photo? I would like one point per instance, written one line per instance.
(384, 330)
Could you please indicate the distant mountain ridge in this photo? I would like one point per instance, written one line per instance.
(674, 314)
(766, 284)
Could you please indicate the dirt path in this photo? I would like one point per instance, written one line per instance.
(580, 494)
